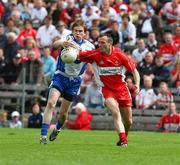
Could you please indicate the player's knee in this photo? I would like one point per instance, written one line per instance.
(51, 104)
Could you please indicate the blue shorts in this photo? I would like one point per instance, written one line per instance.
(68, 88)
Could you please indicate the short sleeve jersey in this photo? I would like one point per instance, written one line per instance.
(110, 69)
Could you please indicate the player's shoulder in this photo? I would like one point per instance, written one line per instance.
(69, 37)
(119, 52)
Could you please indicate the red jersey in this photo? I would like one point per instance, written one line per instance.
(63, 17)
(116, 6)
(1, 9)
(176, 40)
(27, 33)
(109, 70)
(168, 52)
(169, 123)
(175, 71)
(82, 122)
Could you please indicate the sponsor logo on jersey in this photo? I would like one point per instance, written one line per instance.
(112, 70)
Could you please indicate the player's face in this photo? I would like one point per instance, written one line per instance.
(78, 32)
(104, 45)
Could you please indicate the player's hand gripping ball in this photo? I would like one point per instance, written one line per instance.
(69, 55)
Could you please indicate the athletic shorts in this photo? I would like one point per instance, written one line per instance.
(68, 88)
(122, 96)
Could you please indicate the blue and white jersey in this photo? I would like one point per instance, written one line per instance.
(77, 68)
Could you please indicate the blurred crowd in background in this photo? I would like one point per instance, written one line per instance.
(148, 32)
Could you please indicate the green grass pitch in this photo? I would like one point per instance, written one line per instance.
(21, 147)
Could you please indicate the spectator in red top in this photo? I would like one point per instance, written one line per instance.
(83, 119)
(169, 51)
(67, 14)
(171, 12)
(1, 10)
(176, 37)
(27, 32)
(31, 44)
(171, 121)
(117, 4)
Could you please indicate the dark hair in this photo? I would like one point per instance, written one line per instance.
(47, 47)
(49, 17)
(28, 21)
(126, 16)
(79, 23)
(40, 108)
(110, 39)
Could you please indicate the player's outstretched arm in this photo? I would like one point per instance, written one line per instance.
(58, 43)
(64, 44)
(136, 77)
(68, 44)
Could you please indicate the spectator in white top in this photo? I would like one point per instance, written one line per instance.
(123, 10)
(149, 23)
(147, 97)
(25, 8)
(15, 122)
(146, 25)
(139, 53)
(62, 31)
(45, 33)
(128, 31)
(108, 11)
(38, 13)
(88, 12)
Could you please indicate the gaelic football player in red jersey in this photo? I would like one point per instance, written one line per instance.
(110, 65)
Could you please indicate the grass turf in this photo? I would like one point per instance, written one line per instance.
(21, 147)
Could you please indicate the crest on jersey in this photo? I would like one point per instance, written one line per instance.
(101, 62)
(116, 63)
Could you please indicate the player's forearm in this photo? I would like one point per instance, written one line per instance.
(136, 77)
(58, 43)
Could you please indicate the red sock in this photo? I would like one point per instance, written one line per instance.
(122, 137)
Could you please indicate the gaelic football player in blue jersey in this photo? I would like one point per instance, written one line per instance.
(66, 81)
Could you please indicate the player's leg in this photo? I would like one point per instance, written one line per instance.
(65, 104)
(126, 113)
(63, 113)
(72, 88)
(47, 117)
(113, 105)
